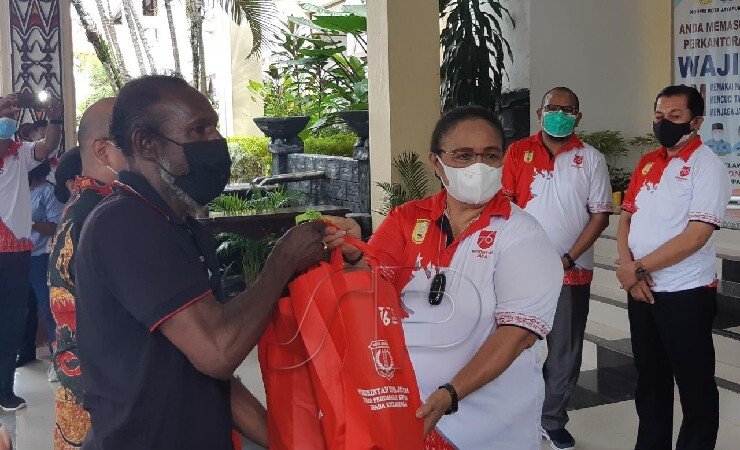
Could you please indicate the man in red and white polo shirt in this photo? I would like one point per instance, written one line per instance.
(16, 160)
(674, 203)
(564, 184)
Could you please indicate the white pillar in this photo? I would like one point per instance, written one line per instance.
(403, 69)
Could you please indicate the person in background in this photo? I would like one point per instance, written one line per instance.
(35, 132)
(16, 160)
(736, 148)
(101, 161)
(564, 184)
(674, 203)
(69, 168)
(5, 443)
(718, 144)
(46, 211)
(157, 343)
(480, 280)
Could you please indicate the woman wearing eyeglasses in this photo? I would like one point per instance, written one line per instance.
(479, 282)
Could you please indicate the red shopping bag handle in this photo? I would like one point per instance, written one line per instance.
(336, 257)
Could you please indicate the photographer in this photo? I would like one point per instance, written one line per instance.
(16, 160)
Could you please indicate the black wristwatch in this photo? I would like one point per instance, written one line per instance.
(453, 393)
(571, 261)
(56, 122)
(353, 262)
(641, 271)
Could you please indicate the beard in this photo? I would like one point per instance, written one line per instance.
(185, 201)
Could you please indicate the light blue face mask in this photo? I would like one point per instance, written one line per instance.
(558, 124)
(8, 127)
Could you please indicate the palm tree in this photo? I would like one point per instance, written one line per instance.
(134, 36)
(259, 14)
(111, 37)
(101, 48)
(142, 37)
(194, 11)
(173, 36)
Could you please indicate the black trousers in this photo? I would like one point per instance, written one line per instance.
(673, 339)
(13, 307)
(27, 347)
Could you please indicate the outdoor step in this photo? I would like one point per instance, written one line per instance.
(608, 374)
(727, 241)
(609, 320)
(605, 252)
(606, 286)
(616, 355)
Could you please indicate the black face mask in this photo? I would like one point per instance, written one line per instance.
(669, 133)
(210, 169)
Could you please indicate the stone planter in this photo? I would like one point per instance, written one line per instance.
(283, 133)
(359, 122)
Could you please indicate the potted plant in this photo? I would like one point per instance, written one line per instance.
(414, 182)
(620, 180)
(284, 111)
(341, 77)
(613, 146)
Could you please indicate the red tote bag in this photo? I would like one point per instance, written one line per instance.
(363, 383)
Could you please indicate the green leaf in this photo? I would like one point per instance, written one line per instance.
(345, 24)
(259, 14)
(307, 216)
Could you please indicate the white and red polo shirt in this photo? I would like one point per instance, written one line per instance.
(502, 270)
(15, 198)
(664, 195)
(560, 192)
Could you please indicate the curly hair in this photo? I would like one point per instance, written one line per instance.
(133, 108)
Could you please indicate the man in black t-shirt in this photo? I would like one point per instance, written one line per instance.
(157, 347)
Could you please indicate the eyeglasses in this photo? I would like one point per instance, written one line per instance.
(466, 157)
(565, 109)
(437, 289)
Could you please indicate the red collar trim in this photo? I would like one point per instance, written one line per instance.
(685, 153)
(499, 205)
(12, 151)
(573, 142)
(84, 183)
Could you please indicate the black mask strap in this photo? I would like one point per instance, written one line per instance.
(156, 133)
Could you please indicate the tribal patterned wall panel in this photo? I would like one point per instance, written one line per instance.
(36, 51)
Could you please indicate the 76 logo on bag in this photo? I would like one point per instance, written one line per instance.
(387, 316)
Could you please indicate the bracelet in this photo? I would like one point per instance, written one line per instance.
(353, 262)
(56, 122)
(571, 261)
(453, 393)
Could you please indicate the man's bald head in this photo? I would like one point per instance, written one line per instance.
(100, 157)
(95, 123)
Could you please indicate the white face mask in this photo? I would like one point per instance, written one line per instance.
(475, 184)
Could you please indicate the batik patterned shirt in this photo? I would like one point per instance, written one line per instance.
(88, 192)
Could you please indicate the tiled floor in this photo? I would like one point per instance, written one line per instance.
(605, 427)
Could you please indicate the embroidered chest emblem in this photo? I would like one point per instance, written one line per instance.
(486, 238)
(685, 171)
(420, 231)
(646, 168)
(578, 161)
(528, 156)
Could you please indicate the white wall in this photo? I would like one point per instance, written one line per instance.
(616, 55)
